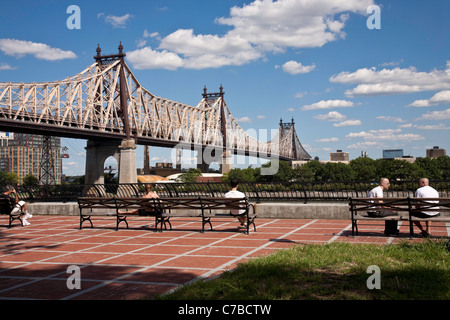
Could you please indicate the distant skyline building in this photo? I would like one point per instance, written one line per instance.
(21, 153)
(436, 152)
(340, 156)
(392, 153)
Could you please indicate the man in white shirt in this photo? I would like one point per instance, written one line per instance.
(234, 193)
(425, 191)
(390, 227)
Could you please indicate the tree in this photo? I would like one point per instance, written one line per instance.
(284, 172)
(190, 175)
(364, 169)
(429, 167)
(317, 169)
(242, 175)
(397, 169)
(8, 178)
(338, 172)
(78, 179)
(303, 173)
(29, 180)
(443, 164)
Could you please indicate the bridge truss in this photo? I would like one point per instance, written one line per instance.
(106, 101)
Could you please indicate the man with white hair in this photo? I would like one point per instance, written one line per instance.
(425, 191)
(390, 227)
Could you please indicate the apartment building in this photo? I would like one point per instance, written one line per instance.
(22, 154)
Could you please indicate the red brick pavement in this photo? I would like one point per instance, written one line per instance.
(139, 263)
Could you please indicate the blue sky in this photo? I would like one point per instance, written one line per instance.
(347, 87)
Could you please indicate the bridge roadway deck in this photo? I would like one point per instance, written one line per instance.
(139, 263)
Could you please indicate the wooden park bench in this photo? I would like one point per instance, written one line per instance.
(141, 207)
(208, 208)
(95, 205)
(165, 208)
(6, 207)
(441, 205)
(361, 209)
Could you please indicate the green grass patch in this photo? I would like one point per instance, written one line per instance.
(338, 271)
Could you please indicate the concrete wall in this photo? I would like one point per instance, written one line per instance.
(278, 210)
(274, 210)
(62, 209)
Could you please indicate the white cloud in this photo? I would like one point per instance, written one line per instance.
(331, 116)
(5, 66)
(393, 81)
(436, 115)
(420, 103)
(264, 26)
(441, 97)
(300, 94)
(116, 21)
(365, 145)
(385, 134)
(209, 51)
(293, 67)
(183, 41)
(244, 120)
(391, 119)
(328, 140)
(275, 25)
(215, 61)
(147, 58)
(150, 35)
(20, 48)
(440, 126)
(348, 123)
(261, 117)
(141, 43)
(328, 104)
(391, 63)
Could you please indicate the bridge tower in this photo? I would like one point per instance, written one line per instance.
(225, 158)
(289, 139)
(97, 151)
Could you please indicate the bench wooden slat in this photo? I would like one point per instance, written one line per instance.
(394, 218)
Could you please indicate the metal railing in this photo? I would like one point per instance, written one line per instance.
(256, 192)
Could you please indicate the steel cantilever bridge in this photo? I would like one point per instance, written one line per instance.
(106, 102)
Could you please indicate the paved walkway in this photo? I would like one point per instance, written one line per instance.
(138, 263)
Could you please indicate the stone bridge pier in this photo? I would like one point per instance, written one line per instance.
(210, 155)
(98, 151)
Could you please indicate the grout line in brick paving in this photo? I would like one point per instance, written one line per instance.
(208, 274)
(65, 254)
(156, 265)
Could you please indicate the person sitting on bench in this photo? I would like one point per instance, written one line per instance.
(9, 190)
(425, 191)
(390, 227)
(234, 193)
(149, 193)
